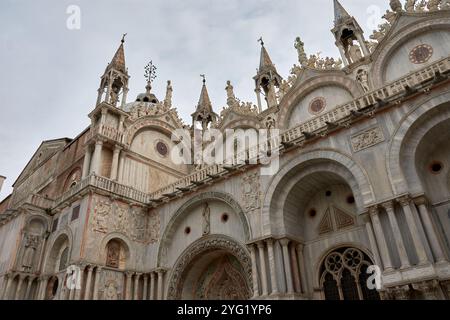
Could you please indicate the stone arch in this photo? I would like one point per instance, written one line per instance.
(220, 196)
(289, 175)
(73, 177)
(403, 133)
(243, 122)
(390, 44)
(148, 123)
(59, 241)
(125, 241)
(297, 93)
(201, 247)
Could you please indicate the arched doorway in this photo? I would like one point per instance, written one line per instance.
(212, 268)
(343, 275)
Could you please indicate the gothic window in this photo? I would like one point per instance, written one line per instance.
(63, 260)
(115, 254)
(344, 277)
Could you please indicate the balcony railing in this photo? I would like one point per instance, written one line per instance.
(107, 132)
(106, 185)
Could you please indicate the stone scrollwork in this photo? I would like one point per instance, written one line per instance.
(367, 139)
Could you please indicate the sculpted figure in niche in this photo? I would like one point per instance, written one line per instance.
(354, 51)
(363, 79)
(206, 214)
(271, 96)
(114, 95)
(31, 244)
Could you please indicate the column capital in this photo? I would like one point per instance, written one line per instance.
(404, 200)
(388, 205)
(373, 210)
(260, 244)
(99, 142)
(129, 274)
(117, 148)
(421, 200)
(428, 288)
(269, 241)
(284, 242)
(145, 276)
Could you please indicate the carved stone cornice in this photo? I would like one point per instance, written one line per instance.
(428, 289)
(400, 292)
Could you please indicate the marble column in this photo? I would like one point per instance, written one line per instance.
(87, 162)
(381, 239)
(272, 268)
(136, 286)
(87, 289)
(19, 288)
(295, 269)
(128, 276)
(152, 286)
(389, 207)
(42, 287)
(254, 271)
(145, 293)
(362, 44)
(160, 285)
(121, 166)
(262, 262)
(287, 265)
(7, 286)
(372, 242)
(28, 290)
(96, 165)
(302, 267)
(430, 229)
(258, 99)
(98, 272)
(115, 163)
(80, 281)
(405, 202)
(342, 52)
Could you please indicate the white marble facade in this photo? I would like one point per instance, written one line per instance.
(363, 180)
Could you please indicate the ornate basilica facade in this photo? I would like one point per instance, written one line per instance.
(363, 180)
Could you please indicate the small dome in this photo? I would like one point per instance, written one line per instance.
(147, 97)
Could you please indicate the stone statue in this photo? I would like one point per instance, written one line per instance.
(231, 98)
(363, 79)
(354, 51)
(312, 61)
(445, 5)
(114, 96)
(433, 5)
(31, 244)
(420, 7)
(410, 5)
(300, 46)
(284, 88)
(206, 220)
(168, 99)
(396, 5)
(390, 16)
(271, 96)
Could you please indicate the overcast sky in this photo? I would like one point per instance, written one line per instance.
(50, 74)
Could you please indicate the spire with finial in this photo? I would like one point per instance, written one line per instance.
(118, 61)
(340, 14)
(267, 78)
(204, 112)
(114, 84)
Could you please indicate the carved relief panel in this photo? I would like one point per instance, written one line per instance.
(251, 192)
(115, 216)
(367, 139)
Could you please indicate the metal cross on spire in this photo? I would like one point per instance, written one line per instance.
(204, 78)
(150, 72)
(261, 40)
(123, 37)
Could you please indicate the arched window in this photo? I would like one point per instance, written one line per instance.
(344, 277)
(115, 254)
(64, 259)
